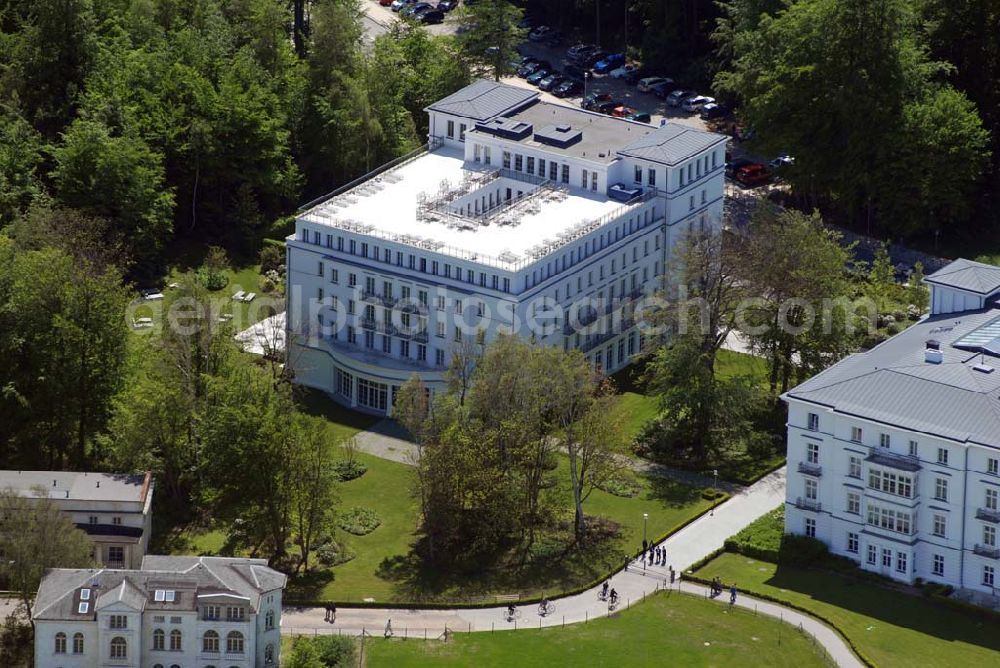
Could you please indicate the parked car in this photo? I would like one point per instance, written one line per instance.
(536, 77)
(783, 161)
(413, 9)
(568, 87)
(696, 103)
(733, 165)
(399, 4)
(675, 98)
(577, 50)
(622, 111)
(640, 117)
(752, 175)
(575, 71)
(714, 110)
(593, 58)
(385, 3)
(662, 89)
(431, 16)
(609, 62)
(586, 57)
(623, 71)
(551, 81)
(554, 38)
(531, 67)
(645, 85)
(607, 108)
(447, 5)
(594, 99)
(539, 34)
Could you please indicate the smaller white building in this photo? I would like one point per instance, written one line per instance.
(113, 509)
(894, 453)
(174, 612)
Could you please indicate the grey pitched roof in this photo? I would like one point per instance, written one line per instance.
(892, 383)
(58, 595)
(983, 279)
(671, 143)
(79, 485)
(483, 99)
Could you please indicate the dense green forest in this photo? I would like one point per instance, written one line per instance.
(197, 119)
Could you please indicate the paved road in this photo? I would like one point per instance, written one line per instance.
(683, 549)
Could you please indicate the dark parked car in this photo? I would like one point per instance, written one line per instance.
(607, 108)
(531, 67)
(447, 5)
(568, 87)
(414, 9)
(587, 57)
(551, 81)
(595, 99)
(573, 70)
(574, 51)
(736, 164)
(713, 110)
(430, 16)
(640, 116)
(662, 89)
(593, 58)
(536, 77)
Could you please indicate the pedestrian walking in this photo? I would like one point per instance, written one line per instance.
(626, 563)
(732, 594)
(326, 614)
(333, 614)
(388, 628)
(672, 574)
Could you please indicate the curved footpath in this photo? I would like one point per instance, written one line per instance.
(684, 548)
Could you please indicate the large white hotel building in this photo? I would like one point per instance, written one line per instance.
(520, 216)
(894, 453)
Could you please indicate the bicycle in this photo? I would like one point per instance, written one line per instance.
(510, 614)
(546, 608)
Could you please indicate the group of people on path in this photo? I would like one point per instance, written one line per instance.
(657, 556)
(717, 590)
(331, 614)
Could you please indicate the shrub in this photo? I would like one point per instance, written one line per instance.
(711, 494)
(623, 484)
(272, 258)
(359, 521)
(349, 470)
(762, 538)
(801, 551)
(212, 279)
(336, 650)
(333, 554)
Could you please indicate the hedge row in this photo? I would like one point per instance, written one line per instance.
(865, 659)
(491, 602)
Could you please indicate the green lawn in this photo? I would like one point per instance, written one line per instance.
(665, 630)
(639, 409)
(892, 628)
(729, 363)
(385, 570)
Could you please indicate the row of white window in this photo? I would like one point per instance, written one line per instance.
(901, 560)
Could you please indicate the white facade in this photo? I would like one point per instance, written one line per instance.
(202, 623)
(893, 456)
(114, 510)
(503, 226)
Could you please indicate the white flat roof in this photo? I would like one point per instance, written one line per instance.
(79, 486)
(389, 204)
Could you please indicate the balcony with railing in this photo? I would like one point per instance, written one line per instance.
(808, 504)
(376, 298)
(989, 551)
(988, 515)
(895, 460)
(810, 469)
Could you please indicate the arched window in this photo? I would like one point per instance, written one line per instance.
(175, 640)
(234, 642)
(269, 654)
(158, 665)
(174, 666)
(158, 639)
(77, 643)
(210, 642)
(119, 648)
(269, 620)
(60, 643)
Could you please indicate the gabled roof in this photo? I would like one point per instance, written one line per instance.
(483, 99)
(894, 384)
(671, 144)
(968, 275)
(188, 577)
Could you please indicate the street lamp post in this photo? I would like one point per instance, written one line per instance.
(645, 516)
(715, 488)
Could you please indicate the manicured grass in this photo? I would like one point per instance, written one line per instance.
(343, 423)
(729, 364)
(890, 627)
(639, 409)
(665, 630)
(385, 569)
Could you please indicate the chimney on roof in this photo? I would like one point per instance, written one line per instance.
(933, 355)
